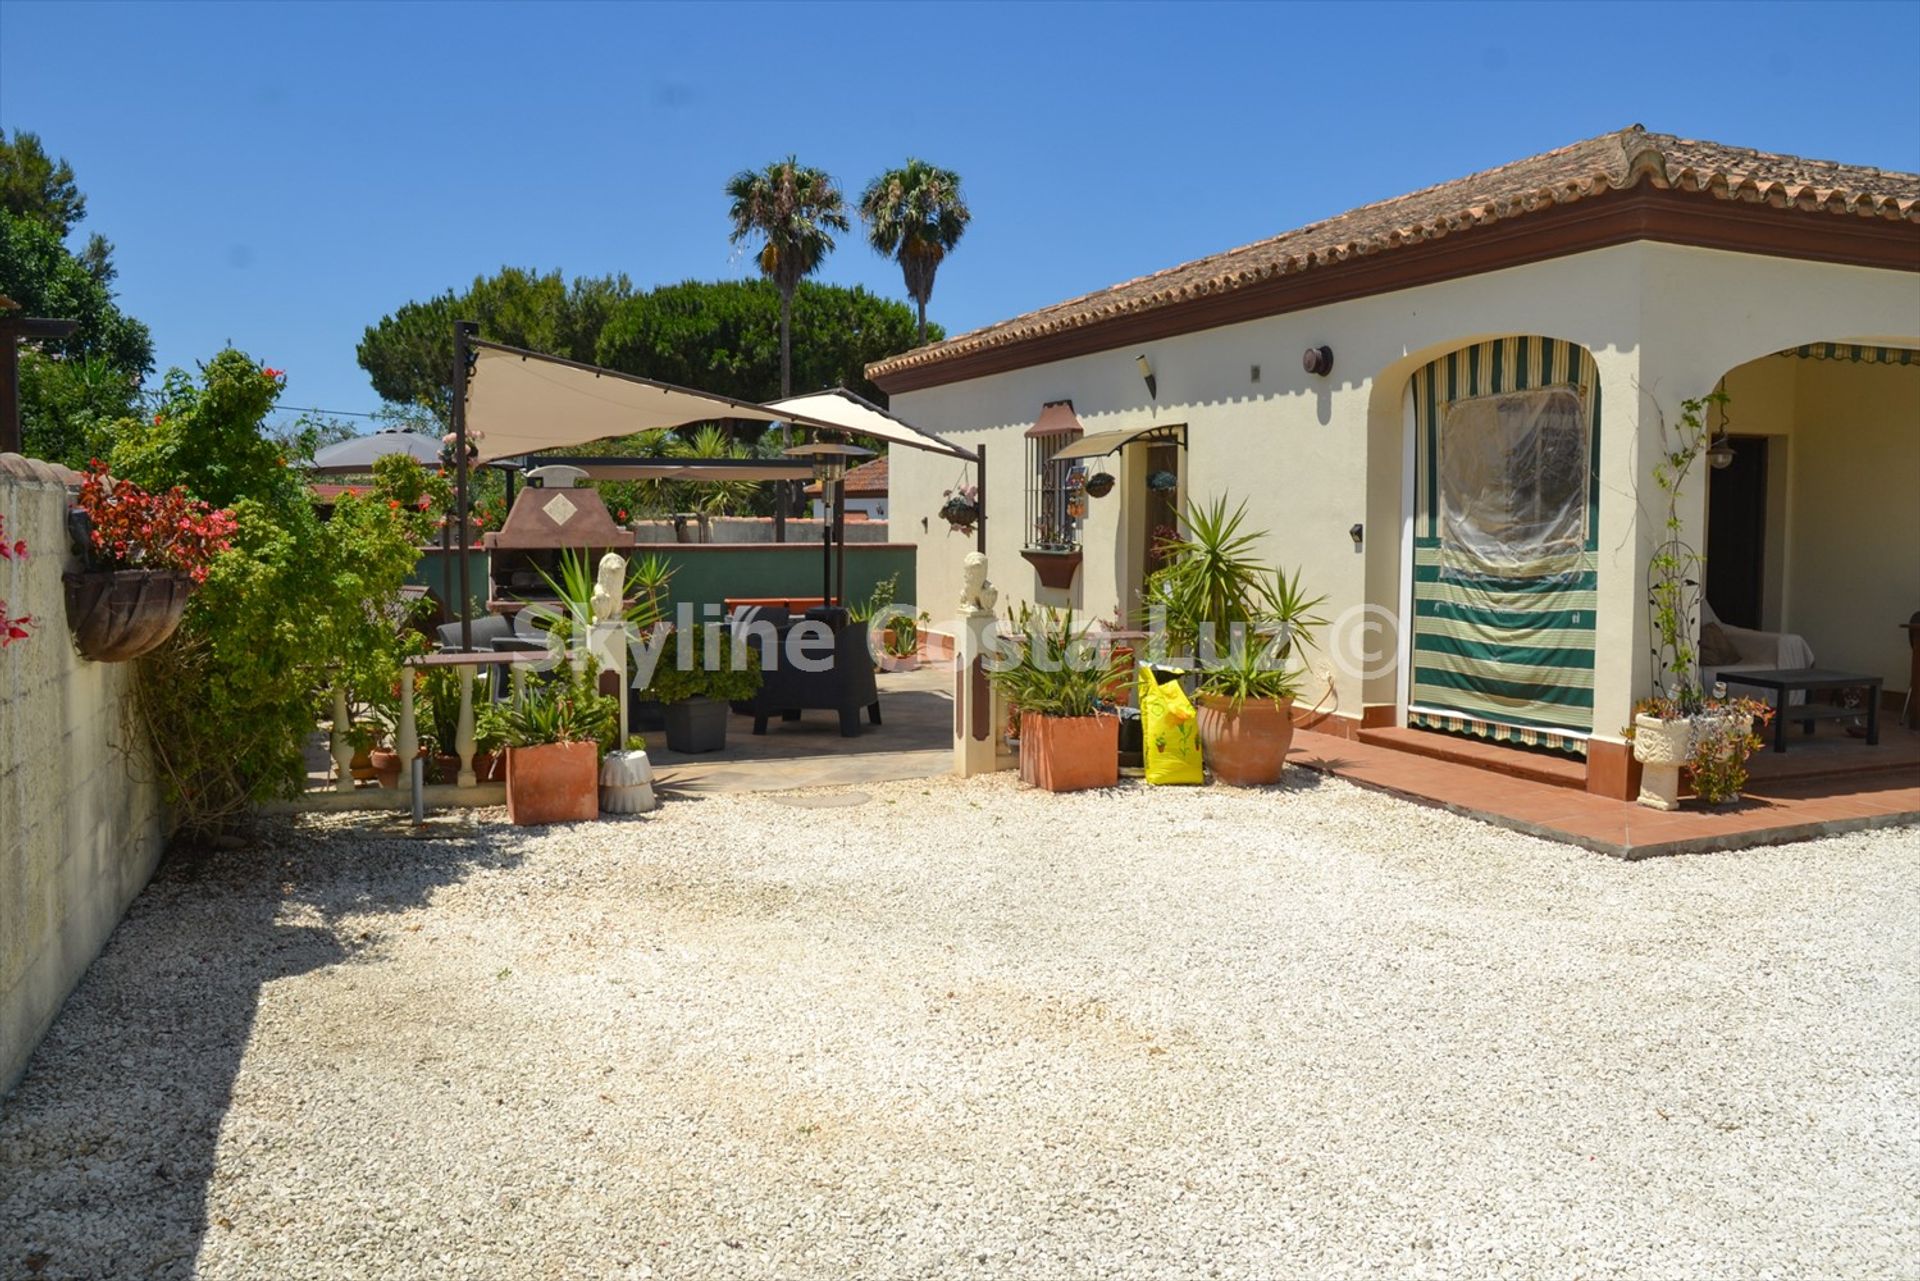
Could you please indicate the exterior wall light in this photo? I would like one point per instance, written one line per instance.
(1318, 360)
(1146, 376)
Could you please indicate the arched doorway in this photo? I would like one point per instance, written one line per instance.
(1506, 499)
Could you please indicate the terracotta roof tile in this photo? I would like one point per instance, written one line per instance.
(866, 480)
(1611, 162)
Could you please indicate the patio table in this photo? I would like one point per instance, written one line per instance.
(1786, 681)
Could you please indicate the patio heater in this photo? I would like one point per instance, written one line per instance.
(830, 462)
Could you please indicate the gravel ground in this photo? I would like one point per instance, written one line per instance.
(965, 1030)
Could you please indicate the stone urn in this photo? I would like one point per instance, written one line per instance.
(1661, 747)
(120, 614)
(626, 783)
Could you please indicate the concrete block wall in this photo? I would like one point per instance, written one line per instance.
(81, 821)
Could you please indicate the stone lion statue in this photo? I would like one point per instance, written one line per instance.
(609, 589)
(977, 594)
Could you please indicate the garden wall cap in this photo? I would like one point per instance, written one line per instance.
(38, 471)
(1611, 162)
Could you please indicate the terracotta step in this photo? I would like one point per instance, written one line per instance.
(1538, 767)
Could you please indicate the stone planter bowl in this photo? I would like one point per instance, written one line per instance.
(119, 614)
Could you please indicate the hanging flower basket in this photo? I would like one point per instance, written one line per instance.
(118, 614)
(960, 513)
(145, 553)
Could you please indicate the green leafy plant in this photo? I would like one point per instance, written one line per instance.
(567, 709)
(734, 675)
(1674, 567)
(1052, 669)
(1222, 604)
(644, 590)
(293, 606)
(1254, 669)
(1725, 735)
(878, 599)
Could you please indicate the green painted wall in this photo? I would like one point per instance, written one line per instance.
(711, 572)
(708, 573)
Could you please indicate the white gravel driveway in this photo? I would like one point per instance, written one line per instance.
(964, 1030)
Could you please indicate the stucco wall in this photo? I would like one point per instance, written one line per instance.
(79, 832)
(1853, 567)
(1313, 456)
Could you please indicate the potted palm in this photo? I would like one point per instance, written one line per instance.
(555, 735)
(1055, 681)
(697, 692)
(1211, 583)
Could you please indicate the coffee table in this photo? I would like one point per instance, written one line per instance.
(1808, 680)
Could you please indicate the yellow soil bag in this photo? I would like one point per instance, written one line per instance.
(1170, 736)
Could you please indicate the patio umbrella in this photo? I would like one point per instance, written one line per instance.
(360, 453)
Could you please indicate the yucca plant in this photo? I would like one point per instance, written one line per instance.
(1052, 670)
(567, 709)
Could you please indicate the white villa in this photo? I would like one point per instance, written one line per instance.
(1567, 303)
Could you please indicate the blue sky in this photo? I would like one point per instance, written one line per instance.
(280, 176)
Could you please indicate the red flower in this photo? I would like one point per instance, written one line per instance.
(133, 527)
(621, 514)
(394, 503)
(272, 373)
(157, 420)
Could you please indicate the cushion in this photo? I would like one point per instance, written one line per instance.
(1715, 649)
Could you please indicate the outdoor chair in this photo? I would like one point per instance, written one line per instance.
(845, 686)
(1758, 652)
(486, 629)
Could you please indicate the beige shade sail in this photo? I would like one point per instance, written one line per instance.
(521, 402)
(843, 411)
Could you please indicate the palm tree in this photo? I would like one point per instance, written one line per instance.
(916, 216)
(796, 209)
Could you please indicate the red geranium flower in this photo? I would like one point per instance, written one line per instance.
(272, 373)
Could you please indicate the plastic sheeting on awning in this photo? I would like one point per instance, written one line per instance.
(1102, 443)
(708, 469)
(847, 412)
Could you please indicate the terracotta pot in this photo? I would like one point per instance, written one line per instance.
(386, 766)
(557, 783)
(490, 767)
(361, 766)
(1069, 753)
(1248, 747)
(120, 614)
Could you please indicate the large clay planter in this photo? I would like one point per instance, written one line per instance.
(120, 614)
(1069, 753)
(1661, 747)
(1248, 747)
(557, 783)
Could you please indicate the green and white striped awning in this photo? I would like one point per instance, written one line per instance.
(1854, 352)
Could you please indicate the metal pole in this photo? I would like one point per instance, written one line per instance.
(840, 539)
(826, 563)
(9, 391)
(462, 331)
(980, 501)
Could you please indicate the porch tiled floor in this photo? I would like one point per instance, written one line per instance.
(1776, 810)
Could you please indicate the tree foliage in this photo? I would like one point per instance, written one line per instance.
(794, 210)
(915, 215)
(409, 354)
(35, 186)
(70, 389)
(718, 336)
(297, 603)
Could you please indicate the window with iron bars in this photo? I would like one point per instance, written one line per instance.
(1056, 494)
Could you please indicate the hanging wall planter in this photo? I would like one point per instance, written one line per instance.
(119, 614)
